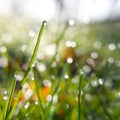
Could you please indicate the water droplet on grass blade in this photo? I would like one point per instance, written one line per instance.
(44, 23)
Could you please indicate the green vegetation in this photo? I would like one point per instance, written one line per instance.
(72, 75)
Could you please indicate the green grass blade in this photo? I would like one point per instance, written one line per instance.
(38, 95)
(14, 106)
(7, 109)
(79, 95)
(55, 90)
(29, 67)
(34, 52)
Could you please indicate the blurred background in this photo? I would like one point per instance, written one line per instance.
(82, 35)
(81, 10)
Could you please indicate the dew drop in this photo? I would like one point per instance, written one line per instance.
(27, 114)
(41, 67)
(18, 76)
(97, 44)
(67, 106)
(81, 72)
(31, 33)
(53, 64)
(55, 99)
(112, 46)
(87, 69)
(47, 83)
(49, 98)
(36, 102)
(111, 60)
(26, 106)
(90, 61)
(5, 97)
(88, 97)
(6, 37)
(66, 76)
(27, 91)
(57, 58)
(33, 65)
(94, 83)
(3, 49)
(71, 22)
(70, 43)
(5, 92)
(94, 55)
(109, 83)
(3, 62)
(86, 21)
(16, 111)
(23, 48)
(50, 49)
(44, 23)
(117, 63)
(100, 81)
(75, 80)
(69, 60)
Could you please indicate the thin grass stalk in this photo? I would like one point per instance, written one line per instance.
(34, 53)
(109, 117)
(29, 68)
(38, 95)
(8, 105)
(55, 91)
(79, 95)
(59, 39)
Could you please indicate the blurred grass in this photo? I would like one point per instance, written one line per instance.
(96, 52)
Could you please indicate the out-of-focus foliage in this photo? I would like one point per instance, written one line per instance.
(92, 48)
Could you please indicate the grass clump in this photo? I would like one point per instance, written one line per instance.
(51, 85)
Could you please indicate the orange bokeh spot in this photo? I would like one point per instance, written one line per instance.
(43, 92)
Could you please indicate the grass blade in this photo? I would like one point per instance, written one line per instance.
(38, 95)
(29, 67)
(79, 95)
(55, 91)
(7, 109)
(34, 52)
